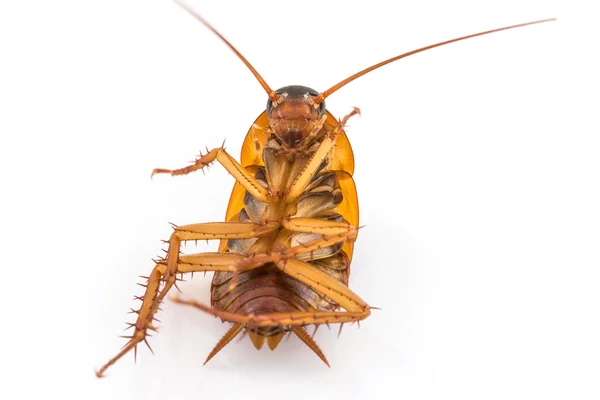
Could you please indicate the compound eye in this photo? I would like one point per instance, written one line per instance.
(321, 109)
(320, 106)
(269, 106)
(309, 97)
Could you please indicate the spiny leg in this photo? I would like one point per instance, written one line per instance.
(340, 234)
(225, 262)
(165, 271)
(356, 308)
(315, 225)
(224, 230)
(249, 183)
(325, 284)
(292, 319)
(319, 281)
(313, 165)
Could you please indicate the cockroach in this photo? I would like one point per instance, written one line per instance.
(285, 249)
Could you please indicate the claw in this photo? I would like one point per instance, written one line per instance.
(160, 171)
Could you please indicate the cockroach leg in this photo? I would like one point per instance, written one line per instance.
(165, 271)
(326, 285)
(340, 234)
(328, 143)
(224, 230)
(356, 308)
(291, 319)
(240, 174)
(315, 225)
(321, 282)
(223, 262)
(349, 234)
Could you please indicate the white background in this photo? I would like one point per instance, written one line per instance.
(477, 169)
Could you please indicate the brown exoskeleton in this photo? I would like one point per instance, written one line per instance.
(286, 246)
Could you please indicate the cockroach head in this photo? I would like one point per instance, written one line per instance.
(294, 113)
